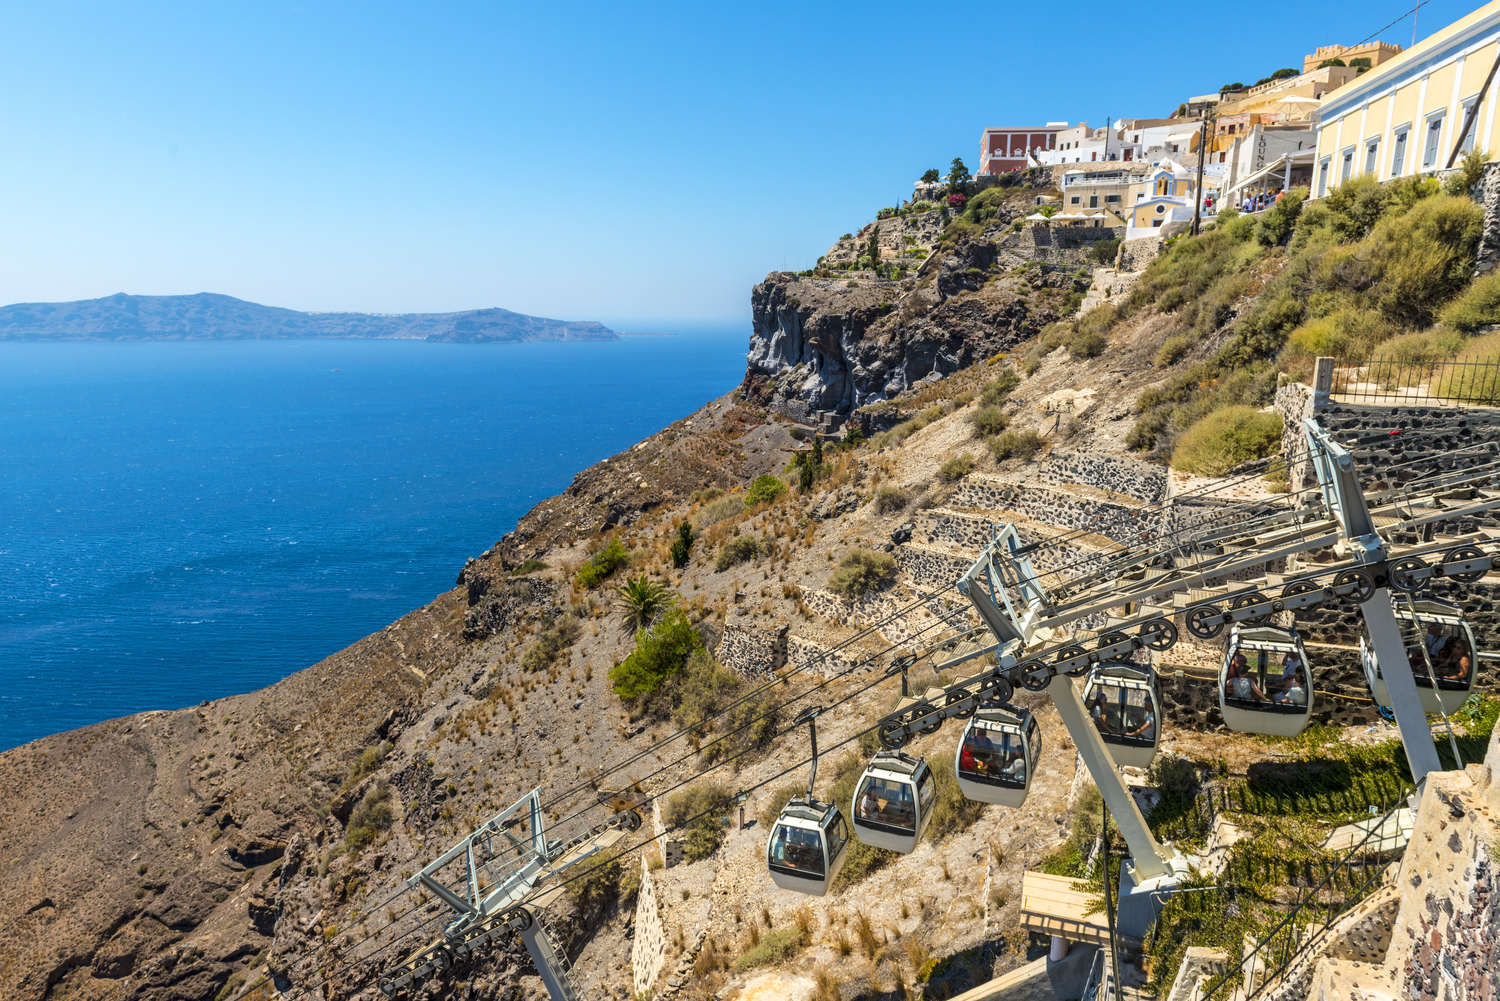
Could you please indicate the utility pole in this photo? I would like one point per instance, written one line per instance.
(1109, 908)
(1198, 188)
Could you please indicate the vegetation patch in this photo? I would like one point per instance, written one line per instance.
(776, 945)
(860, 572)
(764, 490)
(737, 550)
(700, 813)
(956, 468)
(555, 637)
(1225, 439)
(371, 815)
(660, 652)
(603, 563)
(889, 499)
(705, 693)
(1015, 445)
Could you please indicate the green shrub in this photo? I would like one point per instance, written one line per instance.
(1226, 438)
(603, 563)
(1471, 168)
(1013, 445)
(692, 696)
(600, 884)
(1424, 257)
(998, 390)
(556, 636)
(1478, 306)
(956, 468)
(368, 761)
(1090, 333)
(659, 653)
(988, 421)
(861, 572)
(698, 812)
(738, 549)
(1088, 344)
(1104, 252)
(682, 546)
(1172, 349)
(372, 815)
(764, 490)
(640, 601)
(889, 499)
(1278, 221)
(529, 566)
(776, 945)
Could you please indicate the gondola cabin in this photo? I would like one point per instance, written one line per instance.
(1124, 704)
(893, 801)
(807, 846)
(995, 759)
(1264, 682)
(1436, 635)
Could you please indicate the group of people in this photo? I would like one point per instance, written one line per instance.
(883, 802)
(1450, 655)
(1113, 720)
(979, 756)
(1259, 200)
(1289, 688)
(797, 848)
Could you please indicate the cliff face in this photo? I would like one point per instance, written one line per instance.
(824, 344)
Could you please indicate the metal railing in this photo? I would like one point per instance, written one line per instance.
(1303, 928)
(1401, 383)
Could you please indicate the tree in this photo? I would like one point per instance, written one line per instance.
(958, 174)
(1285, 73)
(765, 488)
(932, 176)
(683, 544)
(642, 600)
(659, 653)
(1330, 62)
(875, 244)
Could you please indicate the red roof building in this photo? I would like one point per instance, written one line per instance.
(1004, 150)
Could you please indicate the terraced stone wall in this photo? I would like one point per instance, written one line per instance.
(752, 653)
(1144, 481)
(648, 953)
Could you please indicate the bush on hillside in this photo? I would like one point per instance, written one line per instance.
(1014, 445)
(659, 653)
(698, 812)
(1424, 257)
(603, 563)
(555, 637)
(956, 468)
(738, 549)
(1277, 222)
(890, 499)
(861, 572)
(1172, 349)
(1104, 252)
(764, 490)
(705, 691)
(1478, 306)
(717, 510)
(1422, 346)
(1090, 334)
(1463, 383)
(953, 812)
(1226, 438)
(372, 815)
(998, 390)
(988, 421)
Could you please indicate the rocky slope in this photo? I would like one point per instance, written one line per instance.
(207, 316)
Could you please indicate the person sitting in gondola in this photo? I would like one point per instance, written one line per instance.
(1015, 768)
(1239, 684)
(869, 803)
(1098, 707)
(1456, 666)
(1147, 729)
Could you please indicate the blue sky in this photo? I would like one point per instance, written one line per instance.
(642, 165)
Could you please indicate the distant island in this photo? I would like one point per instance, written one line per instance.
(211, 317)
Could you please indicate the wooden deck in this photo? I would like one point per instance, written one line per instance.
(1055, 905)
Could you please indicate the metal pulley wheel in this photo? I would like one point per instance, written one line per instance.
(1364, 584)
(1158, 634)
(1070, 653)
(1205, 621)
(1401, 574)
(1463, 554)
(1110, 639)
(957, 696)
(892, 735)
(1253, 598)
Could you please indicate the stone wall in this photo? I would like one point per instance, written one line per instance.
(1487, 194)
(930, 568)
(1120, 520)
(648, 953)
(1136, 254)
(752, 653)
(1144, 481)
(972, 532)
(818, 659)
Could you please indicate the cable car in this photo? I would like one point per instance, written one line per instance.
(1264, 684)
(1439, 631)
(997, 755)
(1124, 702)
(893, 801)
(807, 847)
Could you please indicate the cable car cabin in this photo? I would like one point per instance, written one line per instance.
(1264, 684)
(1440, 631)
(997, 755)
(807, 847)
(1124, 702)
(893, 801)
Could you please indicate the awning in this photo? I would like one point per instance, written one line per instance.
(1277, 169)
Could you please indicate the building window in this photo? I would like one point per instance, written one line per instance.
(1430, 148)
(1155, 222)
(1222, 156)
(1468, 146)
(1073, 200)
(1398, 153)
(1322, 178)
(1372, 148)
(1111, 198)
(1347, 167)
(1093, 201)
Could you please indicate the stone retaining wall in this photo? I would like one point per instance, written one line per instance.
(930, 569)
(752, 653)
(972, 532)
(1136, 254)
(648, 953)
(1144, 481)
(818, 659)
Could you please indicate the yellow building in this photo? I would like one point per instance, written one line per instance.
(1405, 115)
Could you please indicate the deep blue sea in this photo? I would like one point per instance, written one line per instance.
(185, 521)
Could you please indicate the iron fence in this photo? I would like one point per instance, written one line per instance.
(1391, 382)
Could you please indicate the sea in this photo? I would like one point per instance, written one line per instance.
(185, 521)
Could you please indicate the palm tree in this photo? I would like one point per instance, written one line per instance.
(641, 601)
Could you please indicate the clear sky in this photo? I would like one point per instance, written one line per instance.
(638, 164)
